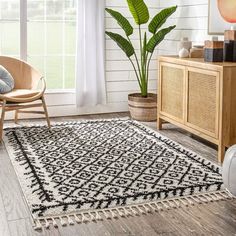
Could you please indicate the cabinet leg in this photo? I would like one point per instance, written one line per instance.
(221, 153)
(159, 123)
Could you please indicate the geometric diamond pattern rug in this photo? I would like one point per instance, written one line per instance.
(88, 170)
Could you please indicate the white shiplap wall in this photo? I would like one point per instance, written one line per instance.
(191, 20)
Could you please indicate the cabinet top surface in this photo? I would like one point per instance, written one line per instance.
(196, 62)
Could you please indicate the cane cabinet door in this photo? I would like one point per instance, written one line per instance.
(171, 91)
(203, 100)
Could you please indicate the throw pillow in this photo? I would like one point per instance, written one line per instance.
(6, 80)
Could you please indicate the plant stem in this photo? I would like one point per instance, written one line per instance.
(143, 80)
(148, 64)
(135, 70)
(136, 58)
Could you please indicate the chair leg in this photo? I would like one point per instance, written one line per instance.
(16, 117)
(2, 119)
(46, 112)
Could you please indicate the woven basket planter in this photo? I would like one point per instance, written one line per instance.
(143, 108)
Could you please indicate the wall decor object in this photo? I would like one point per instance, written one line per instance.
(221, 16)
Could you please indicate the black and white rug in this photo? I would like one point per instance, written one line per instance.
(88, 170)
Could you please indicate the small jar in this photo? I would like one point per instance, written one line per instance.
(184, 43)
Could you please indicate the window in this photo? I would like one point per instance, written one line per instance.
(10, 27)
(43, 32)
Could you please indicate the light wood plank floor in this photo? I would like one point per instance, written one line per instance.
(207, 219)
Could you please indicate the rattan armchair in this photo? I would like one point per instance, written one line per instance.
(26, 93)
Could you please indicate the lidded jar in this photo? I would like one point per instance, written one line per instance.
(184, 43)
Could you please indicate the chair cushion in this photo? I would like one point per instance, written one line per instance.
(6, 81)
(22, 93)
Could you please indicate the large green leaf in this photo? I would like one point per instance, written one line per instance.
(157, 38)
(123, 43)
(160, 19)
(122, 21)
(139, 11)
(144, 46)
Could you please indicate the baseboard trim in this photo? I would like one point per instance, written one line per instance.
(72, 110)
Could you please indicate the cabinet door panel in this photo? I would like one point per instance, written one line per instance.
(172, 91)
(203, 101)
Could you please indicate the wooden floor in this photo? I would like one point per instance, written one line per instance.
(207, 219)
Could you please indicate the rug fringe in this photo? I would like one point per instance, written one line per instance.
(131, 210)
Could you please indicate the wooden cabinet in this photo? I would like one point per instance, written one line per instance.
(199, 97)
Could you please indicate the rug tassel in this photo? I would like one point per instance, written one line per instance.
(189, 201)
(84, 219)
(227, 195)
(38, 225)
(152, 207)
(203, 199)
(165, 205)
(98, 217)
(134, 212)
(195, 199)
(147, 209)
(54, 223)
(47, 225)
(106, 215)
(212, 197)
(141, 211)
(176, 203)
(77, 219)
(183, 201)
(113, 214)
(172, 204)
(62, 221)
(70, 220)
(218, 197)
(158, 207)
(121, 214)
(126, 212)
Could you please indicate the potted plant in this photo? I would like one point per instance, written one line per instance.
(143, 105)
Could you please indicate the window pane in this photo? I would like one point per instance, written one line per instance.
(10, 40)
(69, 72)
(70, 38)
(10, 27)
(38, 62)
(52, 39)
(36, 38)
(54, 73)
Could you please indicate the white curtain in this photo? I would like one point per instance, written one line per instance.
(90, 65)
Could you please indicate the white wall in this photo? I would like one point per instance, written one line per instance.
(191, 19)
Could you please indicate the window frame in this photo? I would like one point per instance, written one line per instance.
(67, 96)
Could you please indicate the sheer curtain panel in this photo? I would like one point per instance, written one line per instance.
(90, 61)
